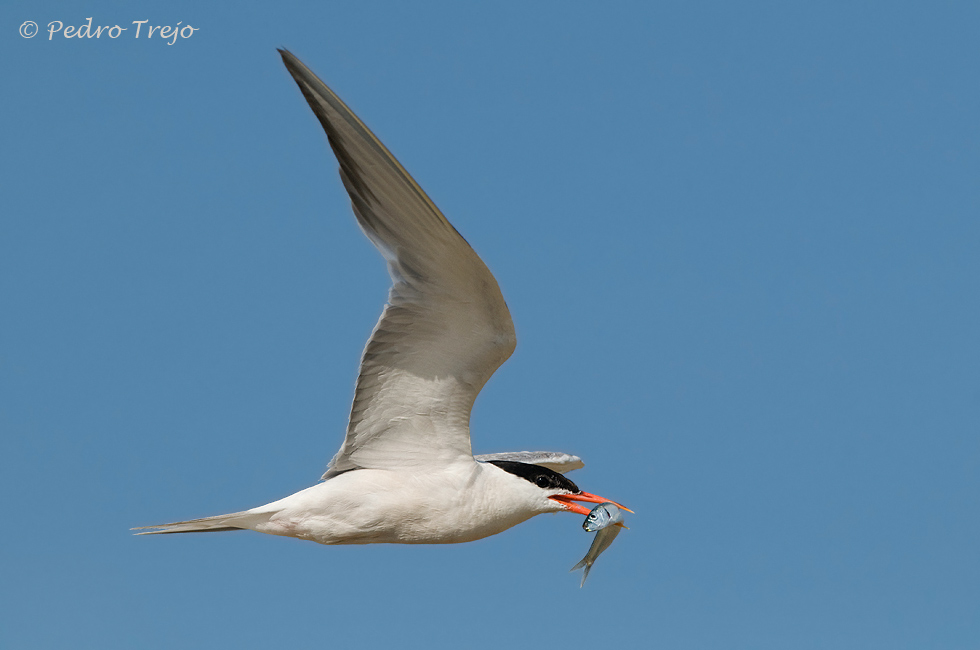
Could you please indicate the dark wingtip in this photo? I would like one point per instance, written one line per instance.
(288, 58)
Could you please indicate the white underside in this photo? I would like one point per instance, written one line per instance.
(446, 504)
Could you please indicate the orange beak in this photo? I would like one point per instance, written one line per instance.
(568, 500)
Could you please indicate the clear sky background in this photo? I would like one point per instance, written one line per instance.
(739, 240)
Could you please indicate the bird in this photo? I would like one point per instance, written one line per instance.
(405, 472)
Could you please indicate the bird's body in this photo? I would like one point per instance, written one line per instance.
(405, 472)
(459, 502)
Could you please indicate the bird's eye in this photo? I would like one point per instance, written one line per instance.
(541, 481)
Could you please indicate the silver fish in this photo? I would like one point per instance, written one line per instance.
(601, 516)
(606, 514)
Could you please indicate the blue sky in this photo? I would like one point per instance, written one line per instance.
(739, 241)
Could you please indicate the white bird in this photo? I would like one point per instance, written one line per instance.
(405, 472)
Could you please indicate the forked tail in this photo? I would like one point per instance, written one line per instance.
(234, 521)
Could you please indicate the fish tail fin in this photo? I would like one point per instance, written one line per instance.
(585, 574)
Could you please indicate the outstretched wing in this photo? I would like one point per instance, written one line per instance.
(445, 328)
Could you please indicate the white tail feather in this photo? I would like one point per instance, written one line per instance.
(245, 520)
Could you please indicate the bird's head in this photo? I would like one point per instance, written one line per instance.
(552, 491)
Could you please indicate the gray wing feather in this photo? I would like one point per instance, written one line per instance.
(553, 460)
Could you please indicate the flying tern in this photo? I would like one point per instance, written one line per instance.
(405, 473)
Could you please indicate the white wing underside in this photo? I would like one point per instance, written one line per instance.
(445, 328)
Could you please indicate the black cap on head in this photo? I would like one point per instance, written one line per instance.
(543, 477)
